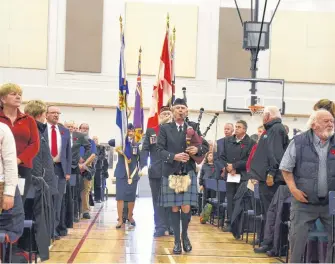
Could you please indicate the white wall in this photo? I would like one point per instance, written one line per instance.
(55, 85)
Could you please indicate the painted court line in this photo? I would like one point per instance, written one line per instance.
(167, 251)
(83, 239)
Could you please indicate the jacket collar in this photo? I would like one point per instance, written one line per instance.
(41, 127)
(268, 125)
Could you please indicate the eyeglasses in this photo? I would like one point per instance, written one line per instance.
(55, 113)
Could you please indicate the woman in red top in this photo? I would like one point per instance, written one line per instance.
(24, 129)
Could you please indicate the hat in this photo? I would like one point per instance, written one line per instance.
(179, 101)
(130, 126)
(164, 108)
(111, 142)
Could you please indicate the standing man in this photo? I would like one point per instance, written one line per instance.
(228, 132)
(60, 147)
(87, 176)
(236, 150)
(175, 155)
(149, 149)
(308, 168)
(78, 140)
(265, 163)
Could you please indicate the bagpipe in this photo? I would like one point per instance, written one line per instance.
(193, 136)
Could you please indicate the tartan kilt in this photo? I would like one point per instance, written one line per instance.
(169, 198)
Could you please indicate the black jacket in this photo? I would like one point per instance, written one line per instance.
(270, 150)
(274, 217)
(242, 202)
(237, 153)
(207, 171)
(43, 165)
(170, 142)
(149, 149)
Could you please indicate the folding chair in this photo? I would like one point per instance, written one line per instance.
(222, 188)
(285, 223)
(5, 245)
(256, 216)
(212, 184)
(332, 213)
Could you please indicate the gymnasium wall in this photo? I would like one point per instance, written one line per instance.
(54, 82)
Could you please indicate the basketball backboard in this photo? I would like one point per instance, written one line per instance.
(270, 92)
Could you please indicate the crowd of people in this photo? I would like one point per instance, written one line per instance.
(300, 168)
(47, 169)
(46, 173)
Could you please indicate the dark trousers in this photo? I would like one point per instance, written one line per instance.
(98, 185)
(266, 194)
(76, 197)
(161, 214)
(61, 190)
(231, 191)
(26, 174)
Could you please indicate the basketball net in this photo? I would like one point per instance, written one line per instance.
(256, 113)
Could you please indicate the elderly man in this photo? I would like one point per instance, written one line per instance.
(308, 167)
(265, 163)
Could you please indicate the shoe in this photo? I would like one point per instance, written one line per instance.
(187, 244)
(226, 228)
(132, 223)
(86, 216)
(159, 233)
(271, 253)
(177, 248)
(262, 249)
(171, 233)
(56, 237)
(118, 226)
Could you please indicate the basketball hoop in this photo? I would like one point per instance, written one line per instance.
(256, 110)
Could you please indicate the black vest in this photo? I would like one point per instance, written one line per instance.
(307, 167)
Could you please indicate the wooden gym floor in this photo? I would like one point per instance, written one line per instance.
(97, 241)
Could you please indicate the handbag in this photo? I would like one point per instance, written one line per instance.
(179, 183)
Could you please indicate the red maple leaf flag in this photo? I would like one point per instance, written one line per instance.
(162, 91)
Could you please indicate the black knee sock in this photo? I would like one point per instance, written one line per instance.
(175, 222)
(185, 220)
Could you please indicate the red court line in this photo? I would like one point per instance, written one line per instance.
(83, 239)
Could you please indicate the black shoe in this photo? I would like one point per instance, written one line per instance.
(171, 233)
(187, 244)
(177, 248)
(226, 228)
(159, 233)
(272, 254)
(56, 237)
(262, 249)
(86, 216)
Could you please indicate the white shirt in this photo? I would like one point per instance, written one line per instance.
(8, 164)
(59, 141)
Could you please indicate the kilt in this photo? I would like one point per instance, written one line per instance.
(125, 191)
(169, 198)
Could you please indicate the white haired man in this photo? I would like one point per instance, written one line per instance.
(265, 164)
(308, 167)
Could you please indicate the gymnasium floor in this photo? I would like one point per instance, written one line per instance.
(96, 240)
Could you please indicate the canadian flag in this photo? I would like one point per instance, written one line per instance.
(162, 92)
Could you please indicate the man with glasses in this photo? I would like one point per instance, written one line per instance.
(60, 147)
